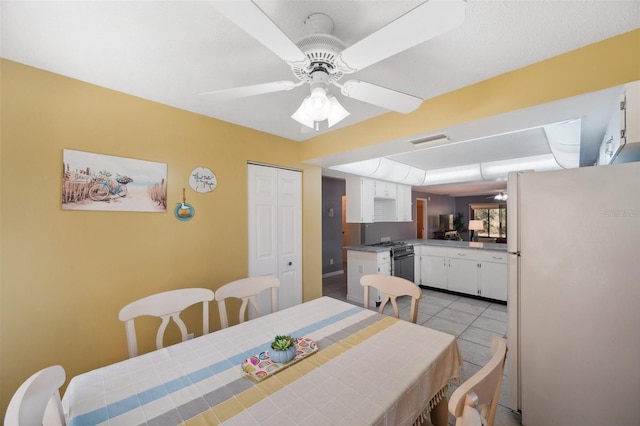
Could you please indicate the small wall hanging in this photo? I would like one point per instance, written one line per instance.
(202, 180)
(184, 211)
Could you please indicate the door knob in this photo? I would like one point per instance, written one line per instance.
(290, 263)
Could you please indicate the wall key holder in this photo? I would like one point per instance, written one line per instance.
(184, 211)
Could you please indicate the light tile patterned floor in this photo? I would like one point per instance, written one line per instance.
(474, 322)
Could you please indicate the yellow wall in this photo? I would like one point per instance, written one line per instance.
(66, 274)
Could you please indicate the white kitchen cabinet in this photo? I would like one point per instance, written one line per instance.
(360, 263)
(493, 275)
(370, 200)
(433, 267)
(469, 271)
(462, 276)
(384, 189)
(360, 194)
(403, 203)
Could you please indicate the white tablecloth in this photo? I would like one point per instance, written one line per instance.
(369, 369)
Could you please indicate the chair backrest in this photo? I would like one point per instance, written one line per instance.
(37, 400)
(391, 287)
(246, 289)
(166, 305)
(482, 390)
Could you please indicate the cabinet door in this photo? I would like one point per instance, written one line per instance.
(368, 189)
(359, 193)
(493, 280)
(360, 263)
(463, 276)
(384, 268)
(383, 263)
(403, 203)
(433, 271)
(385, 189)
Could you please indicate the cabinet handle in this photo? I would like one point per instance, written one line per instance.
(461, 254)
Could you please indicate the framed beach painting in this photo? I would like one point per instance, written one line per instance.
(107, 183)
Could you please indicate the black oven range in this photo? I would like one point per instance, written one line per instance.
(402, 258)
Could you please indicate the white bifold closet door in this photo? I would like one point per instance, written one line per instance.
(275, 232)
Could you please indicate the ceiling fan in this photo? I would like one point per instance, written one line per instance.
(321, 59)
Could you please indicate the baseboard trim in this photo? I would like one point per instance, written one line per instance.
(331, 274)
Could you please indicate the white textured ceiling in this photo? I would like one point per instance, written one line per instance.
(171, 51)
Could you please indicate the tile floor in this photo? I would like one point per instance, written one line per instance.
(474, 322)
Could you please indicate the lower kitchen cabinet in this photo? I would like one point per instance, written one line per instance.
(462, 276)
(470, 271)
(360, 263)
(433, 269)
(493, 275)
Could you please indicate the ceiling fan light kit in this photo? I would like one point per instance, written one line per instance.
(501, 196)
(319, 105)
(321, 59)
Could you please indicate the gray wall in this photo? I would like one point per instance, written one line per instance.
(332, 192)
(436, 205)
(462, 206)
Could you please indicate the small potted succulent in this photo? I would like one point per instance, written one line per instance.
(283, 349)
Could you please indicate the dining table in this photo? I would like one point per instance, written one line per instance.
(361, 368)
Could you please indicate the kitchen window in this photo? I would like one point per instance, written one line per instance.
(493, 217)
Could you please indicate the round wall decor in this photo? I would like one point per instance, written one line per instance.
(202, 179)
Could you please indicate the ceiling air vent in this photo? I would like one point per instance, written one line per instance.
(430, 141)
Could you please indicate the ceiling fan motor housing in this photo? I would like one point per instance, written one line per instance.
(321, 49)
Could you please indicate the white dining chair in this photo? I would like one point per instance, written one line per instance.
(391, 288)
(246, 289)
(37, 400)
(166, 305)
(482, 390)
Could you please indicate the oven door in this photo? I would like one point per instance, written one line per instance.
(403, 267)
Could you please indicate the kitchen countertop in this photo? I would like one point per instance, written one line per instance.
(439, 243)
(459, 244)
(372, 249)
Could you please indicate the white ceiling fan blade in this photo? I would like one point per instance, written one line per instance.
(426, 21)
(380, 96)
(255, 89)
(250, 18)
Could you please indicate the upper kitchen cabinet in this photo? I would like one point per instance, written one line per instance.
(385, 189)
(403, 203)
(360, 193)
(370, 200)
(621, 142)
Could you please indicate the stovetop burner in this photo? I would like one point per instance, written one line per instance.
(397, 248)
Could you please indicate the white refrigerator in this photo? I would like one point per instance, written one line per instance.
(574, 296)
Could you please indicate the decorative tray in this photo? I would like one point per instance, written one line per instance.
(260, 366)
